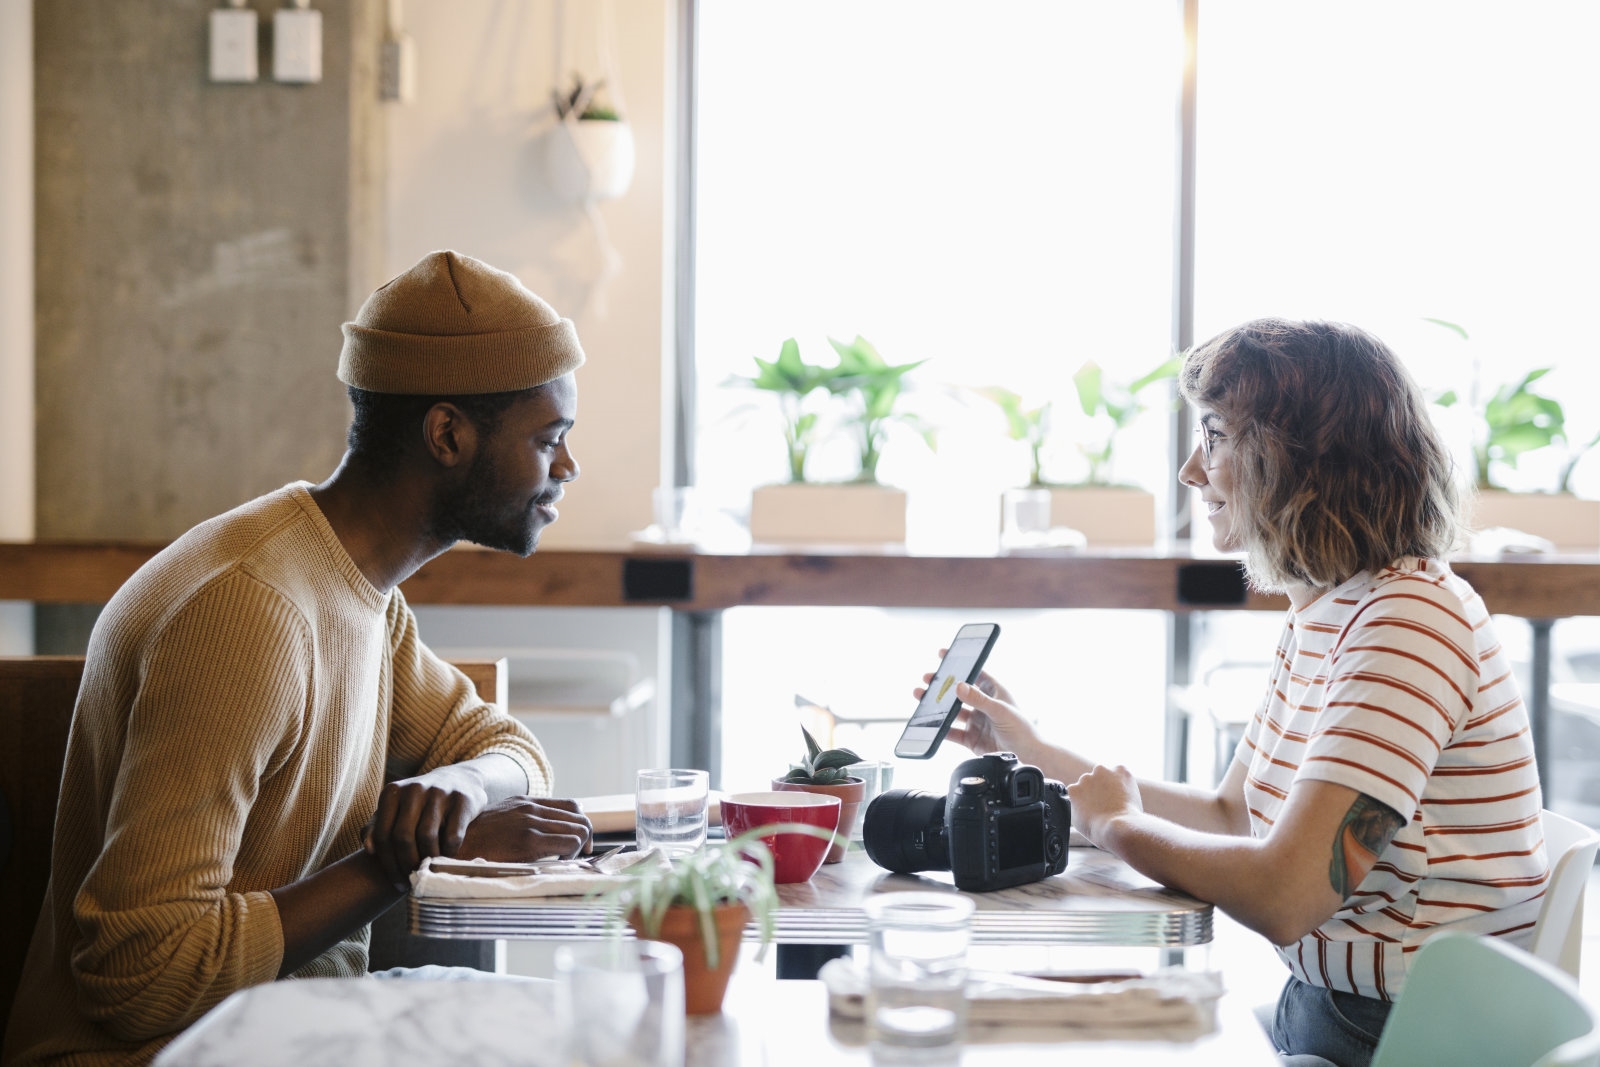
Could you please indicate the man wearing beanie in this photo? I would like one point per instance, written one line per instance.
(224, 816)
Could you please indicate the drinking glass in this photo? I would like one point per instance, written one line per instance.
(877, 774)
(677, 512)
(670, 808)
(1027, 516)
(623, 1001)
(917, 970)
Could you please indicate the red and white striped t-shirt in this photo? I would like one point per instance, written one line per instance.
(1395, 685)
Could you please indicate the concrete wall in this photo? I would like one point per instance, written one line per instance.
(198, 246)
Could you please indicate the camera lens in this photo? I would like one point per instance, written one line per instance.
(904, 831)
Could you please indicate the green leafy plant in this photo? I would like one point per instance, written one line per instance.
(821, 766)
(1097, 395)
(861, 380)
(792, 379)
(583, 100)
(1029, 425)
(1119, 403)
(736, 871)
(1513, 420)
(875, 385)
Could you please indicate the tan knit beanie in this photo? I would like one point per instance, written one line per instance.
(454, 325)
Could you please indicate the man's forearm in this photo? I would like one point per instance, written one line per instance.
(503, 777)
(318, 912)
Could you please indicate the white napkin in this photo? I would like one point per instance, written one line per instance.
(446, 879)
(1170, 1004)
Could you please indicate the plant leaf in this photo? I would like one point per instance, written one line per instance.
(1459, 330)
(1087, 382)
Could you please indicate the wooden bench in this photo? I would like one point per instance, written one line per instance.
(37, 694)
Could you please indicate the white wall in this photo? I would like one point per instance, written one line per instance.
(16, 301)
(465, 172)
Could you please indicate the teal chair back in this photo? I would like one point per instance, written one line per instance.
(1479, 1001)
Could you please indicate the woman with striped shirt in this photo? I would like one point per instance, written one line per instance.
(1385, 789)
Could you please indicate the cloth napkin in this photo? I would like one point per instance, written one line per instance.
(1169, 1004)
(446, 879)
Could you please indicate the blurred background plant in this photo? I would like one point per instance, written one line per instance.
(1111, 406)
(1513, 420)
(872, 387)
(1028, 425)
(791, 379)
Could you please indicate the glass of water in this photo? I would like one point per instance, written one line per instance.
(623, 1002)
(670, 810)
(917, 971)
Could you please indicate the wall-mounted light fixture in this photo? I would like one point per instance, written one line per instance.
(233, 43)
(297, 43)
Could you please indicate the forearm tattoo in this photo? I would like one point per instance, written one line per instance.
(1366, 830)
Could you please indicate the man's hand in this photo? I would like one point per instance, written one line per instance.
(424, 816)
(523, 829)
(1101, 796)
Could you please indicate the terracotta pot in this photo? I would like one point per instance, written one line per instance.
(850, 792)
(703, 986)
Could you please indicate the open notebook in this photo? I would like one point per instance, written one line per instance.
(613, 813)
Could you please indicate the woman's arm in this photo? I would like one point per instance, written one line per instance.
(990, 722)
(1283, 886)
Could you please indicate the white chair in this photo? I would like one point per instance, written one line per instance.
(1558, 935)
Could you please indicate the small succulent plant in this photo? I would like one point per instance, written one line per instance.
(822, 766)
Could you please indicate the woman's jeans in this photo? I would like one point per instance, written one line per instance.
(1342, 1028)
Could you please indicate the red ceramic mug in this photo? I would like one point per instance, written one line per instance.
(795, 857)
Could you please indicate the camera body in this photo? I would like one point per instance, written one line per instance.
(1003, 823)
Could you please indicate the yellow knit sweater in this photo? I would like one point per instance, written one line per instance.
(246, 695)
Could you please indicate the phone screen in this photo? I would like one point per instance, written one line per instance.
(937, 709)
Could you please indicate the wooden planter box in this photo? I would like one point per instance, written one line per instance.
(1108, 516)
(1571, 524)
(846, 514)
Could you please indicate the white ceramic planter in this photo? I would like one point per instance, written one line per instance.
(845, 514)
(1571, 524)
(590, 159)
(1109, 516)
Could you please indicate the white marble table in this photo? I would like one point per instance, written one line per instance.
(356, 1022)
(1098, 900)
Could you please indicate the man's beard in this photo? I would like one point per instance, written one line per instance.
(480, 510)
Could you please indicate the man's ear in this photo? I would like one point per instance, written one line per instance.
(448, 435)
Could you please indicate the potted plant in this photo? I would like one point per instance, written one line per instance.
(1107, 512)
(865, 390)
(825, 770)
(1512, 421)
(701, 903)
(591, 156)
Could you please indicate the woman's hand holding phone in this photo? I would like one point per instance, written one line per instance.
(988, 720)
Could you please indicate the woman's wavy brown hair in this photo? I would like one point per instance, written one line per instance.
(1337, 468)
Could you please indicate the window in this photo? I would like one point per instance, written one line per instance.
(991, 188)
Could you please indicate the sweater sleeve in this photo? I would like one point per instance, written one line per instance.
(438, 718)
(221, 695)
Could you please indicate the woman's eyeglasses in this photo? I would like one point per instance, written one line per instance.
(1209, 436)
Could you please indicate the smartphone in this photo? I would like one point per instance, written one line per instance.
(937, 709)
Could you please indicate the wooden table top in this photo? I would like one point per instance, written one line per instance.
(1532, 587)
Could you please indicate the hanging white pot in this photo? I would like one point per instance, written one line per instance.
(590, 159)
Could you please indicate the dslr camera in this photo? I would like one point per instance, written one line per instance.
(1002, 824)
